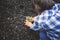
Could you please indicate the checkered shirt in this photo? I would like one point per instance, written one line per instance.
(50, 21)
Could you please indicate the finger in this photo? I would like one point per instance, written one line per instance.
(26, 20)
(25, 23)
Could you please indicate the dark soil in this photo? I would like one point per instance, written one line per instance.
(12, 16)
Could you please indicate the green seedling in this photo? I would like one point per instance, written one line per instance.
(29, 18)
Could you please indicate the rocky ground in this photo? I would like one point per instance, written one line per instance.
(12, 16)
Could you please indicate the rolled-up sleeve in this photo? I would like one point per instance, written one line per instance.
(36, 26)
(40, 20)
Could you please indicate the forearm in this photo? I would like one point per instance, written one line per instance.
(35, 26)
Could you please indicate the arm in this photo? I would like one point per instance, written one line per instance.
(30, 19)
(35, 25)
(39, 21)
(28, 22)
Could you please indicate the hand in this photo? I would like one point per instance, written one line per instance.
(27, 23)
(32, 18)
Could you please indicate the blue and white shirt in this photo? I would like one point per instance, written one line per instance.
(50, 21)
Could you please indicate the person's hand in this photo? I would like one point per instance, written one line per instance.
(27, 23)
(32, 18)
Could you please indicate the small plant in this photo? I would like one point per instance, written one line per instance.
(29, 18)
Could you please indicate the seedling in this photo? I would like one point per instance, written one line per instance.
(28, 18)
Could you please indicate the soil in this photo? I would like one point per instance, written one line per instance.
(12, 16)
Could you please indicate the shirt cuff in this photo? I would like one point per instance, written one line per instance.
(33, 27)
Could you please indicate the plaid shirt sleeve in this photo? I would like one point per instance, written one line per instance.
(50, 21)
(45, 18)
(40, 19)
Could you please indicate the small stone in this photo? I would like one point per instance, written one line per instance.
(8, 18)
(3, 37)
(16, 26)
